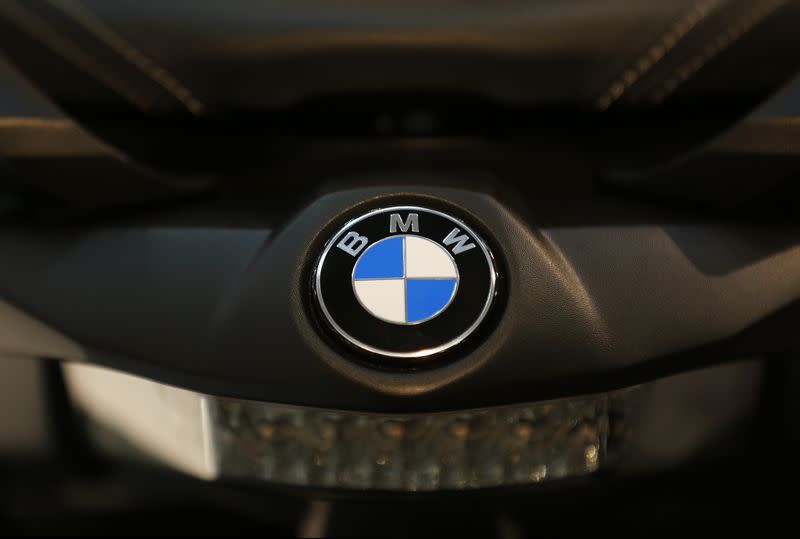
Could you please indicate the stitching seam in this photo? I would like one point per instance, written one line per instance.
(656, 52)
(48, 123)
(719, 44)
(132, 55)
(42, 32)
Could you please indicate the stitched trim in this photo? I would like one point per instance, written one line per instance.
(135, 57)
(656, 52)
(722, 41)
(50, 123)
(48, 37)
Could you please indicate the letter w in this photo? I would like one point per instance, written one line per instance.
(460, 241)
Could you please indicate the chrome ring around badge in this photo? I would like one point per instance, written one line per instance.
(405, 282)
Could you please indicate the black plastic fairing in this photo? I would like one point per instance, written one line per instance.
(226, 311)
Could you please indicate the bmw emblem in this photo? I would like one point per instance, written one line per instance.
(405, 282)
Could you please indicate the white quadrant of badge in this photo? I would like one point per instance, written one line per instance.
(405, 279)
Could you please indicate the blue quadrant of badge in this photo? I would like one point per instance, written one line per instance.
(383, 260)
(426, 297)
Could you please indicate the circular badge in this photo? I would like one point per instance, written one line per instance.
(405, 282)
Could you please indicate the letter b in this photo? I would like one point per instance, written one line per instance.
(352, 243)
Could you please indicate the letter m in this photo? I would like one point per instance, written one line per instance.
(395, 222)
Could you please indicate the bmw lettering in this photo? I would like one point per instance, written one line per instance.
(405, 282)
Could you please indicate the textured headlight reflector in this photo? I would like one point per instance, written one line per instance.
(418, 452)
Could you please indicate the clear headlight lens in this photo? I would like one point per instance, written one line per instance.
(213, 437)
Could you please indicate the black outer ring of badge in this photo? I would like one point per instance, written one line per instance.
(343, 313)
